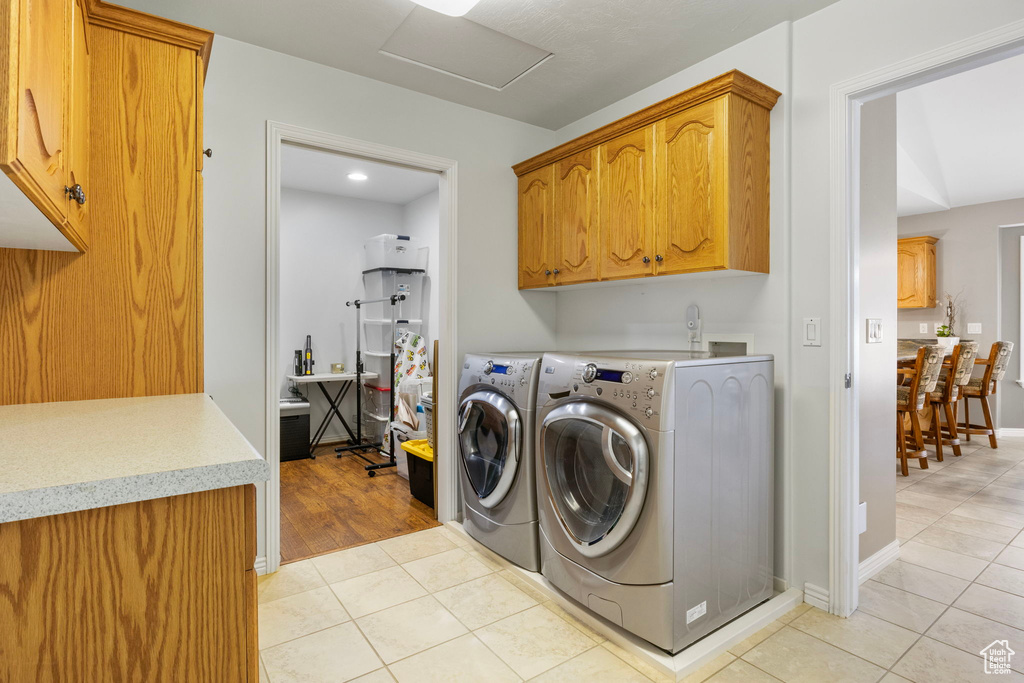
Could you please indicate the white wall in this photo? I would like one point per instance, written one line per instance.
(420, 219)
(245, 87)
(877, 372)
(321, 257)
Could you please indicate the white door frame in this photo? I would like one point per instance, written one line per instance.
(278, 133)
(846, 98)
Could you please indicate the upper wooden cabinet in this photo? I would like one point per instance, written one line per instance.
(536, 245)
(682, 187)
(915, 264)
(42, 109)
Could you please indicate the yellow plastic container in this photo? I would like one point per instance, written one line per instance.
(421, 470)
(420, 448)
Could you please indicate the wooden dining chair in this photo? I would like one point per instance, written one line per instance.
(955, 373)
(911, 397)
(983, 387)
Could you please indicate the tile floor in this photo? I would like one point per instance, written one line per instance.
(428, 607)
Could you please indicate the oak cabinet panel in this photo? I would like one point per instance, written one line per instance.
(627, 205)
(536, 237)
(576, 218)
(915, 263)
(682, 187)
(78, 133)
(690, 224)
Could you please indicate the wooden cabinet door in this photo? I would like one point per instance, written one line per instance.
(915, 268)
(40, 154)
(690, 228)
(536, 235)
(626, 168)
(576, 212)
(78, 147)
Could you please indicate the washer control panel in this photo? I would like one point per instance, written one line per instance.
(637, 387)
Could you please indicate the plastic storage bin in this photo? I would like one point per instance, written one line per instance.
(395, 251)
(377, 401)
(374, 428)
(378, 334)
(384, 282)
(421, 470)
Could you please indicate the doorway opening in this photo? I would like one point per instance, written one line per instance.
(870, 335)
(360, 318)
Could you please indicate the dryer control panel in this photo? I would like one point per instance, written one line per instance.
(637, 387)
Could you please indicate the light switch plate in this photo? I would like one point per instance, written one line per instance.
(874, 331)
(973, 328)
(812, 332)
(923, 328)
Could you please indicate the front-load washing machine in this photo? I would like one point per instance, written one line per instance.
(496, 422)
(655, 487)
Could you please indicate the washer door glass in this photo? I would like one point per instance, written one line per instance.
(489, 442)
(596, 464)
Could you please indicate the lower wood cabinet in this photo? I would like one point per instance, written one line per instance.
(915, 269)
(679, 187)
(161, 590)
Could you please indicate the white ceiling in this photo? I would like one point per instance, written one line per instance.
(603, 50)
(318, 171)
(960, 140)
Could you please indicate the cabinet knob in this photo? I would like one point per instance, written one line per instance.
(658, 258)
(76, 193)
(556, 271)
(647, 259)
(208, 152)
(547, 272)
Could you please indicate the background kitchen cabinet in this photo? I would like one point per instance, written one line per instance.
(536, 237)
(78, 132)
(627, 205)
(576, 218)
(915, 264)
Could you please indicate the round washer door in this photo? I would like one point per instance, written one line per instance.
(490, 439)
(596, 464)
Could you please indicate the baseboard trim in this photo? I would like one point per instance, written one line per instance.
(816, 596)
(260, 565)
(877, 562)
(781, 585)
(1010, 431)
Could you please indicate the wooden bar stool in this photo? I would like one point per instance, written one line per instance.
(983, 387)
(911, 398)
(955, 373)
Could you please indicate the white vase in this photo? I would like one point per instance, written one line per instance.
(947, 342)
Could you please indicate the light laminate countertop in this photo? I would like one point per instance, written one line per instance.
(78, 455)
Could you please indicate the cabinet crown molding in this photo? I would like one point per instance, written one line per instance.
(734, 81)
(131, 21)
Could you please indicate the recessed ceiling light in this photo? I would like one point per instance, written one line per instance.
(453, 8)
(357, 176)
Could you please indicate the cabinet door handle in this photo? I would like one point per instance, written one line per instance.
(658, 258)
(556, 271)
(208, 152)
(547, 272)
(76, 193)
(647, 259)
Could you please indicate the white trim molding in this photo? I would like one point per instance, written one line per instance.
(1009, 431)
(816, 596)
(846, 98)
(879, 561)
(447, 170)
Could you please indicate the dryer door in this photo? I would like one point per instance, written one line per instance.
(596, 464)
(490, 441)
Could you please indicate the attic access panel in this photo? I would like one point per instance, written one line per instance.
(462, 48)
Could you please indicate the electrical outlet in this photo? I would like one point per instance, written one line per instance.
(923, 328)
(973, 328)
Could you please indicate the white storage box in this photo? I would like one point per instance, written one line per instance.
(374, 428)
(379, 337)
(377, 401)
(387, 281)
(380, 364)
(395, 251)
